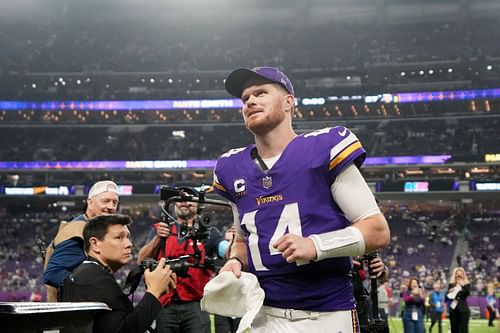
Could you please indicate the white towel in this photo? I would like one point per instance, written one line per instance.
(453, 294)
(229, 296)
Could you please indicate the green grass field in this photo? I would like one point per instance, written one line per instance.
(475, 326)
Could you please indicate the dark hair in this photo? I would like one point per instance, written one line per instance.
(98, 227)
(410, 280)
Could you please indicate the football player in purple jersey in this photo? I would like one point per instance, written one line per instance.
(302, 210)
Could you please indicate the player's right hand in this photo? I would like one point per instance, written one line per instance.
(232, 265)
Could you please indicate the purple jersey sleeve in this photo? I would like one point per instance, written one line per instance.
(224, 163)
(293, 197)
(345, 149)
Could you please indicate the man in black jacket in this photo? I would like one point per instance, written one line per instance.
(108, 246)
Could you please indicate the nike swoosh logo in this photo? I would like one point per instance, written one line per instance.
(344, 132)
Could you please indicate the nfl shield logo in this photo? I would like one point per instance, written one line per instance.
(267, 182)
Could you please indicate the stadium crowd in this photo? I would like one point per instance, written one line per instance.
(56, 46)
(127, 59)
(467, 139)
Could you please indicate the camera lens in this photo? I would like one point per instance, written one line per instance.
(207, 220)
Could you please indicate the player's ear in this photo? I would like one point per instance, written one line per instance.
(289, 103)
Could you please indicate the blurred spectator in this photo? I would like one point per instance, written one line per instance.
(414, 309)
(492, 307)
(458, 291)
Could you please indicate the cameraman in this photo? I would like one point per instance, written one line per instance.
(107, 243)
(362, 289)
(181, 307)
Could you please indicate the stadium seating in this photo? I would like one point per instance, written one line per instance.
(468, 138)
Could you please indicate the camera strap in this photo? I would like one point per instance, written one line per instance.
(132, 281)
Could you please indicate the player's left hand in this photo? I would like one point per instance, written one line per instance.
(296, 248)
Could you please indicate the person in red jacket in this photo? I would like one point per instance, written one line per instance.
(181, 306)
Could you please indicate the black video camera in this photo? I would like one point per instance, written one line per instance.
(367, 300)
(179, 266)
(198, 231)
(203, 221)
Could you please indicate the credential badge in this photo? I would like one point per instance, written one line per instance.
(267, 182)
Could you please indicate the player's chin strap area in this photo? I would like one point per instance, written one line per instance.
(347, 242)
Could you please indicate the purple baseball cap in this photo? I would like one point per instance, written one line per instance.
(237, 79)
